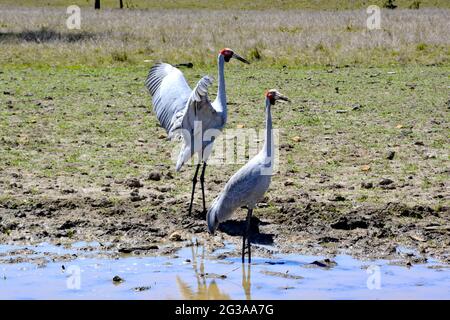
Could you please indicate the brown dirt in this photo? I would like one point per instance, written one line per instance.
(302, 226)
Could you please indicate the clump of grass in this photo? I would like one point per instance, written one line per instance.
(131, 5)
(415, 5)
(389, 4)
(255, 54)
(421, 47)
(119, 56)
(289, 29)
(350, 27)
(320, 47)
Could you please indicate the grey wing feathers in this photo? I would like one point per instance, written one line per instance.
(170, 93)
(197, 100)
(232, 197)
(200, 92)
(241, 185)
(155, 77)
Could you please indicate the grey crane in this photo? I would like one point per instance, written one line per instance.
(248, 185)
(189, 113)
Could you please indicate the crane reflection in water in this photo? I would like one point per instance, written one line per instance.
(207, 284)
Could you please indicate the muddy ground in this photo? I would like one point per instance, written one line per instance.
(299, 224)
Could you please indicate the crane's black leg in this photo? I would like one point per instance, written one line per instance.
(246, 237)
(249, 218)
(202, 184)
(194, 182)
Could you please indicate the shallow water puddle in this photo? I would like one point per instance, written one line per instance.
(191, 275)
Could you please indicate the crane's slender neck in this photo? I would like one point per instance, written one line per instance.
(221, 91)
(268, 141)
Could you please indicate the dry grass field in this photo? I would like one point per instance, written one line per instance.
(36, 36)
(236, 4)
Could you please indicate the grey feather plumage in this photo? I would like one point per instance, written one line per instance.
(245, 188)
(178, 107)
(248, 185)
(169, 91)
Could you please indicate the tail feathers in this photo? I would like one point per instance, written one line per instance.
(179, 165)
(213, 223)
(184, 155)
(218, 212)
(212, 218)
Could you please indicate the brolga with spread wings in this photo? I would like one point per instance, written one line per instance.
(189, 113)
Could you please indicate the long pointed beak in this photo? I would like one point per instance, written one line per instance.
(235, 55)
(284, 98)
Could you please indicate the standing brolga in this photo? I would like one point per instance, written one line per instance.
(189, 113)
(248, 185)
